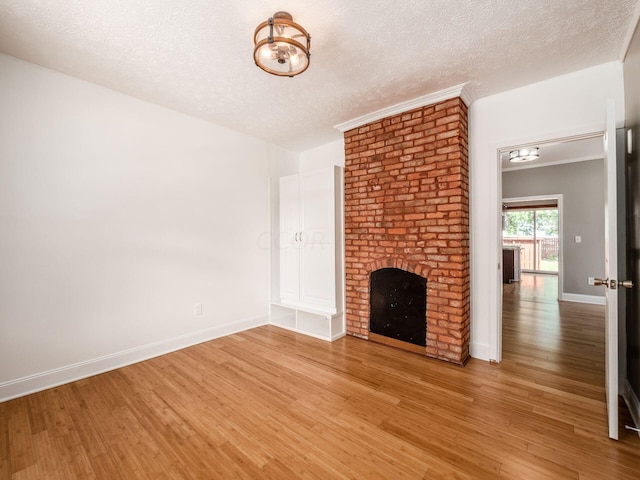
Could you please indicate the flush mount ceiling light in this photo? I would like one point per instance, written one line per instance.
(524, 155)
(281, 46)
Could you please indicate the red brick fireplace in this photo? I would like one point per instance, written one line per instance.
(407, 207)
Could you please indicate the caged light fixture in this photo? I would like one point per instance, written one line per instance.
(281, 46)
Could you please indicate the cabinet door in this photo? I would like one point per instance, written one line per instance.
(288, 244)
(317, 257)
(317, 287)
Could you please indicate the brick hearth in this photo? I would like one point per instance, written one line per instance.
(407, 207)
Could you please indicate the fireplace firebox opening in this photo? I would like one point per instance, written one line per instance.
(398, 301)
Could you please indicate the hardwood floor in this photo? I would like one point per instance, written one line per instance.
(269, 403)
(540, 333)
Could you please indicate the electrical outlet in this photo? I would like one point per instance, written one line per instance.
(197, 309)
(590, 281)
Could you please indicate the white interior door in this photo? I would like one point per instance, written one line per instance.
(611, 272)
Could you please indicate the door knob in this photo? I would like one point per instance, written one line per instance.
(613, 284)
(599, 281)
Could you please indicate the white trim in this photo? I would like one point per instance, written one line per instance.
(569, 136)
(479, 351)
(338, 335)
(632, 403)
(310, 334)
(578, 298)
(495, 321)
(307, 308)
(612, 387)
(633, 25)
(70, 373)
(557, 162)
(429, 99)
(465, 94)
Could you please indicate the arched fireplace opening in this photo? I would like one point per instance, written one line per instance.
(398, 305)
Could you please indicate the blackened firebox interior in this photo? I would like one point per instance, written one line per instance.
(399, 305)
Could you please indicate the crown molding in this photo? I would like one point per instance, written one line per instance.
(551, 164)
(466, 95)
(461, 91)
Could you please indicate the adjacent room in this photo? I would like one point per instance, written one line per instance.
(328, 240)
(553, 236)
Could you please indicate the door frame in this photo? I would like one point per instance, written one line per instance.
(612, 334)
(557, 197)
(496, 330)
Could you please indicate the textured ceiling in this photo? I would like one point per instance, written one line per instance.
(196, 56)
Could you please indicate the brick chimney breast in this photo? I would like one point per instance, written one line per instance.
(407, 207)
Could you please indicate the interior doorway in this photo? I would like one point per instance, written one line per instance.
(559, 155)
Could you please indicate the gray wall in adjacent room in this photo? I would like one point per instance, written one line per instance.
(582, 187)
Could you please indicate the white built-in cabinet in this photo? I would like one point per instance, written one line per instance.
(310, 253)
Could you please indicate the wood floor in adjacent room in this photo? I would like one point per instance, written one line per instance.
(268, 403)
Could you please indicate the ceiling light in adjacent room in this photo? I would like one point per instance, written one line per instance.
(281, 46)
(524, 155)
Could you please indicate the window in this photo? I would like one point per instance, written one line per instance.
(535, 230)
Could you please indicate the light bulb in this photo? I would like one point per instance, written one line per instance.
(265, 52)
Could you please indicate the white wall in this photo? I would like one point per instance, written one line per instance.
(563, 106)
(323, 156)
(116, 216)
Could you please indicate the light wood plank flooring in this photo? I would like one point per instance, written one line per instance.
(268, 403)
(540, 333)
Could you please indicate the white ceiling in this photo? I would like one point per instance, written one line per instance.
(196, 56)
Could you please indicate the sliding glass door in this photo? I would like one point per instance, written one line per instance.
(535, 231)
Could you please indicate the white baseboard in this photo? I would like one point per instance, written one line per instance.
(70, 373)
(632, 403)
(574, 297)
(479, 351)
